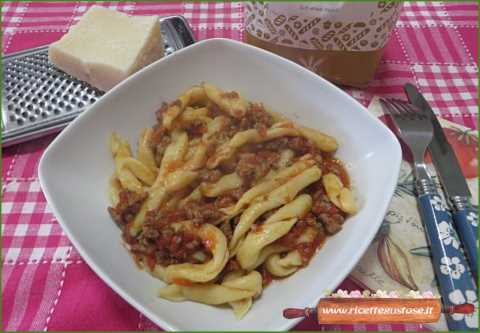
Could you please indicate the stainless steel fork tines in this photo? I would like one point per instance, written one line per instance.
(416, 131)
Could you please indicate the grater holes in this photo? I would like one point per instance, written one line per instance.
(49, 108)
(44, 114)
(69, 107)
(80, 104)
(24, 114)
(32, 118)
(12, 117)
(29, 107)
(56, 111)
(20, 121)
(61, 104)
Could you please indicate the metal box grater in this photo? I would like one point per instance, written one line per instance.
(39, 99)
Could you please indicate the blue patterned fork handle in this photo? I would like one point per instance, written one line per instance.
(449, 263)
(466, 222)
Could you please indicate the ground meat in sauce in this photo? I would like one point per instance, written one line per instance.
(210, 176)
(172, 247)
(225, 200)
(321, 202)
(160, 141)
(227, 230)
(229, 131)
(160, 112)
(256, 117)
(127, 208)
(213, 110)
(326, 213)
(159, 243)
(199, 212)
(332, 223)
(196, 128)
(306, 249)
(238, 192)
(299, 145)
(253, 166)
(162, 218)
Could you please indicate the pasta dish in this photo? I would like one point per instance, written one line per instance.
(224, 195)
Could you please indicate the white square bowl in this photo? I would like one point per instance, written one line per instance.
(75, 169)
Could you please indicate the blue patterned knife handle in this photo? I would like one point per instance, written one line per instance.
(466, 222)
(449, 263)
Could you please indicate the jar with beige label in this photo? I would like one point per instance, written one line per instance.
(341, 41)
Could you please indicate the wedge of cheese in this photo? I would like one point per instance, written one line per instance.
(107, 46)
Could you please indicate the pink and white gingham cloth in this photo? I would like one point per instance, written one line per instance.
(45, 283)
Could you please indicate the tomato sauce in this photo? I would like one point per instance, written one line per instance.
(151, 261)
(267, 278)
(308, 250)
(182, 282)
(290, 239)
(330, 164)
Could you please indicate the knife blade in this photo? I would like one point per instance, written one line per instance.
(443, 156)
(453, 181)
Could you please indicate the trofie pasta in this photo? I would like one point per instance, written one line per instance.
(224, 196)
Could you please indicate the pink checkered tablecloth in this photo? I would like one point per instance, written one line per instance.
(46, 285)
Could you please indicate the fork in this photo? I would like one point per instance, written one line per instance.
(449, 263)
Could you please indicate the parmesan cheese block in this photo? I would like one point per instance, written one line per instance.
(107, 46)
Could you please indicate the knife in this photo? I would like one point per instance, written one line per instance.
(452, 179)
